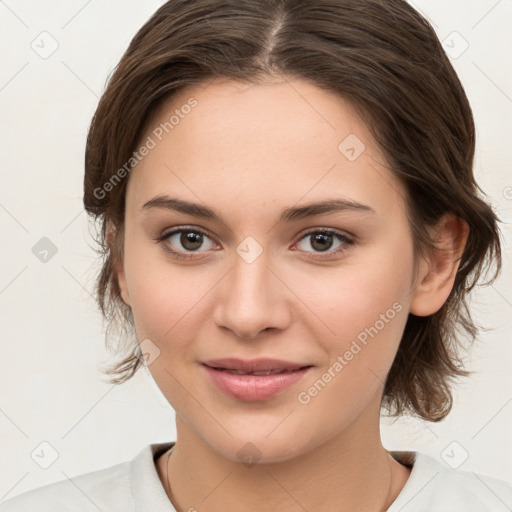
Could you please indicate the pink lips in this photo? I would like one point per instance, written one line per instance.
(253, 380)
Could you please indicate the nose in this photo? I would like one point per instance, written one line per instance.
(252, 299)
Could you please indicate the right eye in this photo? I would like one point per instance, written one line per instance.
(184, 242)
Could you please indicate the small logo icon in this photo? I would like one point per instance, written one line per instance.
(454, 455)
(45, 45)
(44, 455)
(44, 250)
(249, 249)
(454, 45)
(249, 454)
(352, 147)
(147, 352)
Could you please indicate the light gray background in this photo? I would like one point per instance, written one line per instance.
(52, 334)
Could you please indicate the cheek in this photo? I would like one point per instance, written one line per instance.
(365, 305)
(367, 330)
(353, 297)
(164, 296)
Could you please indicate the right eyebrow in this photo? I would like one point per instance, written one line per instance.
(287, 215)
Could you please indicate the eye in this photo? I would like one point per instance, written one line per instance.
(181, 241)
(323, 241)
(189, 242)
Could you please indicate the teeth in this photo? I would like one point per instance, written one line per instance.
(240, 372)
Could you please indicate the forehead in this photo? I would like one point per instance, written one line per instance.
(277, 141)
(274, 111)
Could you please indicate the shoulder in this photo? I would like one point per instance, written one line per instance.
(127, 487)
(104, 490)
(435, 487)
(98, 490)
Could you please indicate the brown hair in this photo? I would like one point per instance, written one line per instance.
(383, 57)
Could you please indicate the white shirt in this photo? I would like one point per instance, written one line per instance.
(134, 486)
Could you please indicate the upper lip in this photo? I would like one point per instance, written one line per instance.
(253, 365)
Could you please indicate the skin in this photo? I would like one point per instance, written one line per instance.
(248, 152)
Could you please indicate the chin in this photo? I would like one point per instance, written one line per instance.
(259, 448)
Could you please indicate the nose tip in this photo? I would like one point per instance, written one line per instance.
(248, 333)
(252, 301)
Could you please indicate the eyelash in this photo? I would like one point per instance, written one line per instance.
(347, 241)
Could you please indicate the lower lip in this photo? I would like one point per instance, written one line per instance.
(254, 388)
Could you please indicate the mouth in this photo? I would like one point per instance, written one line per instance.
(268, 372)
(254, 380)
(254, 366)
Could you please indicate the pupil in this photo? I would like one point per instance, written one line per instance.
(324, 241)
(191, 240)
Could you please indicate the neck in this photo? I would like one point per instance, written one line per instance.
(351, 471)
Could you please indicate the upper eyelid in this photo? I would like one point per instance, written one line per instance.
(334, 231)
(300, 236)
(179, 229)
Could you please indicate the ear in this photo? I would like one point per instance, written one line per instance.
(118, 267)
(436, 273)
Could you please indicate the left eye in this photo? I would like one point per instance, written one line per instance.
(190, 239)
(184, 243)
(323, 240)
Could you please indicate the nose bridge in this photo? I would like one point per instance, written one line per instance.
(252, 298)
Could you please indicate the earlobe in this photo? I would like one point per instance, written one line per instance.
(122, 286)
(436, 274)
(117, 265)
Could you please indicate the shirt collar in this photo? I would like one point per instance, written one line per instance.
(148, 492)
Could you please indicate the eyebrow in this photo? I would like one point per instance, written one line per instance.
(287, 215)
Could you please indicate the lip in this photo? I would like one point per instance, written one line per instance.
(254, 388)
(253, 365)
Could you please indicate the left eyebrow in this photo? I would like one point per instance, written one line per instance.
(287, 215)
(323, 207)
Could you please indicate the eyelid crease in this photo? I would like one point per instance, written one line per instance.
(345, 238)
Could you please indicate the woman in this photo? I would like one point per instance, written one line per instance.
(291, 227)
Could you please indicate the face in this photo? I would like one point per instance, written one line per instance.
(232, 266)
